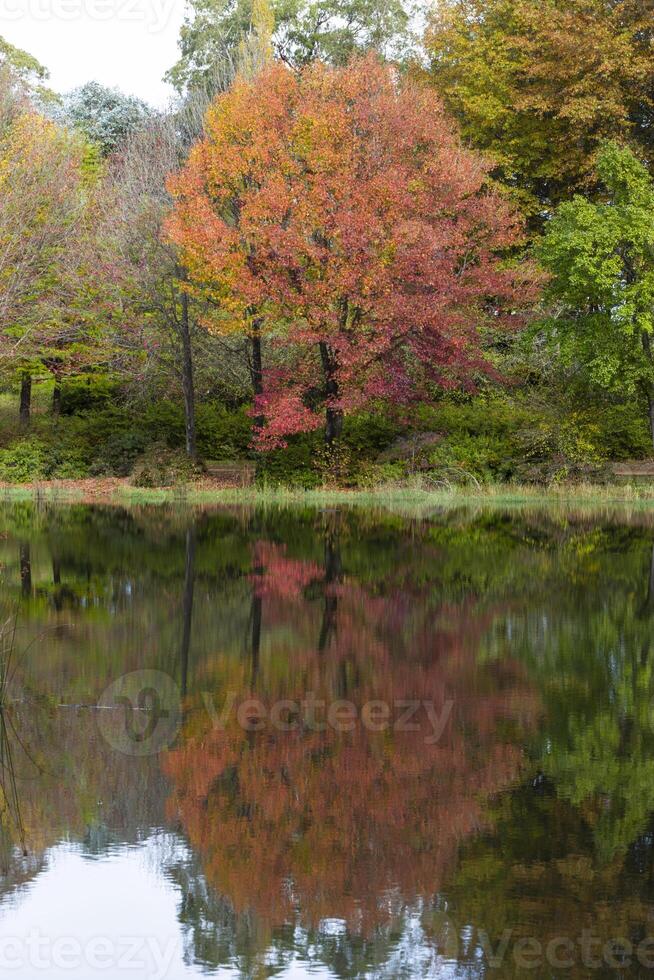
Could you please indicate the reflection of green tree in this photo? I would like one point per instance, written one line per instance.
(538, 875)
(590, 652)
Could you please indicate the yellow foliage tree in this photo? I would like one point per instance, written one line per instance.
(541, 84)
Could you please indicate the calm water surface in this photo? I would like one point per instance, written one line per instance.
(326, 744)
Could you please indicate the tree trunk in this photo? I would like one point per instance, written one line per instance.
(647, 347)
(187, 607)
(25, 570)
(56, 397)
(333, 575)
(256, 368)
(187, 380)
(25, 400)
(333, 416)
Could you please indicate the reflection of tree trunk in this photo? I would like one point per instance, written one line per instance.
(56, 579)
(256, 610)
(25, 399)
(25, 570)
(187, 606)
(333, 575)
(650, 583)
(647, 610)
(188, 383)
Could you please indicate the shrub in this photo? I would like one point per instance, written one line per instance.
(485, 458)
(160, 466)
(293, 466)
(116, 457)
(23, 462)
(87, 392)
(32, 459)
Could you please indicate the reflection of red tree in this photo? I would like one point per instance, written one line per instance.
(346, 825)
(281, 577)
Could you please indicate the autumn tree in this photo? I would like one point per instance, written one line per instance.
(539, 84)
(339, 208)
(600, 257)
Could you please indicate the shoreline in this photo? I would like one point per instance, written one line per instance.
(119, 492)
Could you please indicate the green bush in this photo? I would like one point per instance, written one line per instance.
(160, 466)
(293, 466)
(87, 392)
(31, 460)
(116, 457)
(23, 462)
(484, 458)
(223, 433)
(370, 475)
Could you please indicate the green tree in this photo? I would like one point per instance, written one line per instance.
(601, 259)
(105, 116)
(22, 64)
(212, 37)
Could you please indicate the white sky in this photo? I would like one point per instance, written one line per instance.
(128, 44)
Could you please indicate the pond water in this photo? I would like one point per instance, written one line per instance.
(302, 743)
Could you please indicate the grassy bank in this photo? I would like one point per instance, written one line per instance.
(415, 498)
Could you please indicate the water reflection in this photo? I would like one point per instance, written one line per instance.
(489, 780)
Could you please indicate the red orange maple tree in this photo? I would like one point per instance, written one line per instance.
(337, 212)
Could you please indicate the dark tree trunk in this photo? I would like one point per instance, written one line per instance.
(25, 400)
(56, 397)
(188, 384)
(333, 575)
(647, 347)
(256, 368)
(25, 571)
(333, 416)
(187, 607)
(255, 639)
(56, 571)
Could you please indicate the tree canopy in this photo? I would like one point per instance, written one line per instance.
(303, 31)
(600, 255)
(539, 84)
(104, 115)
